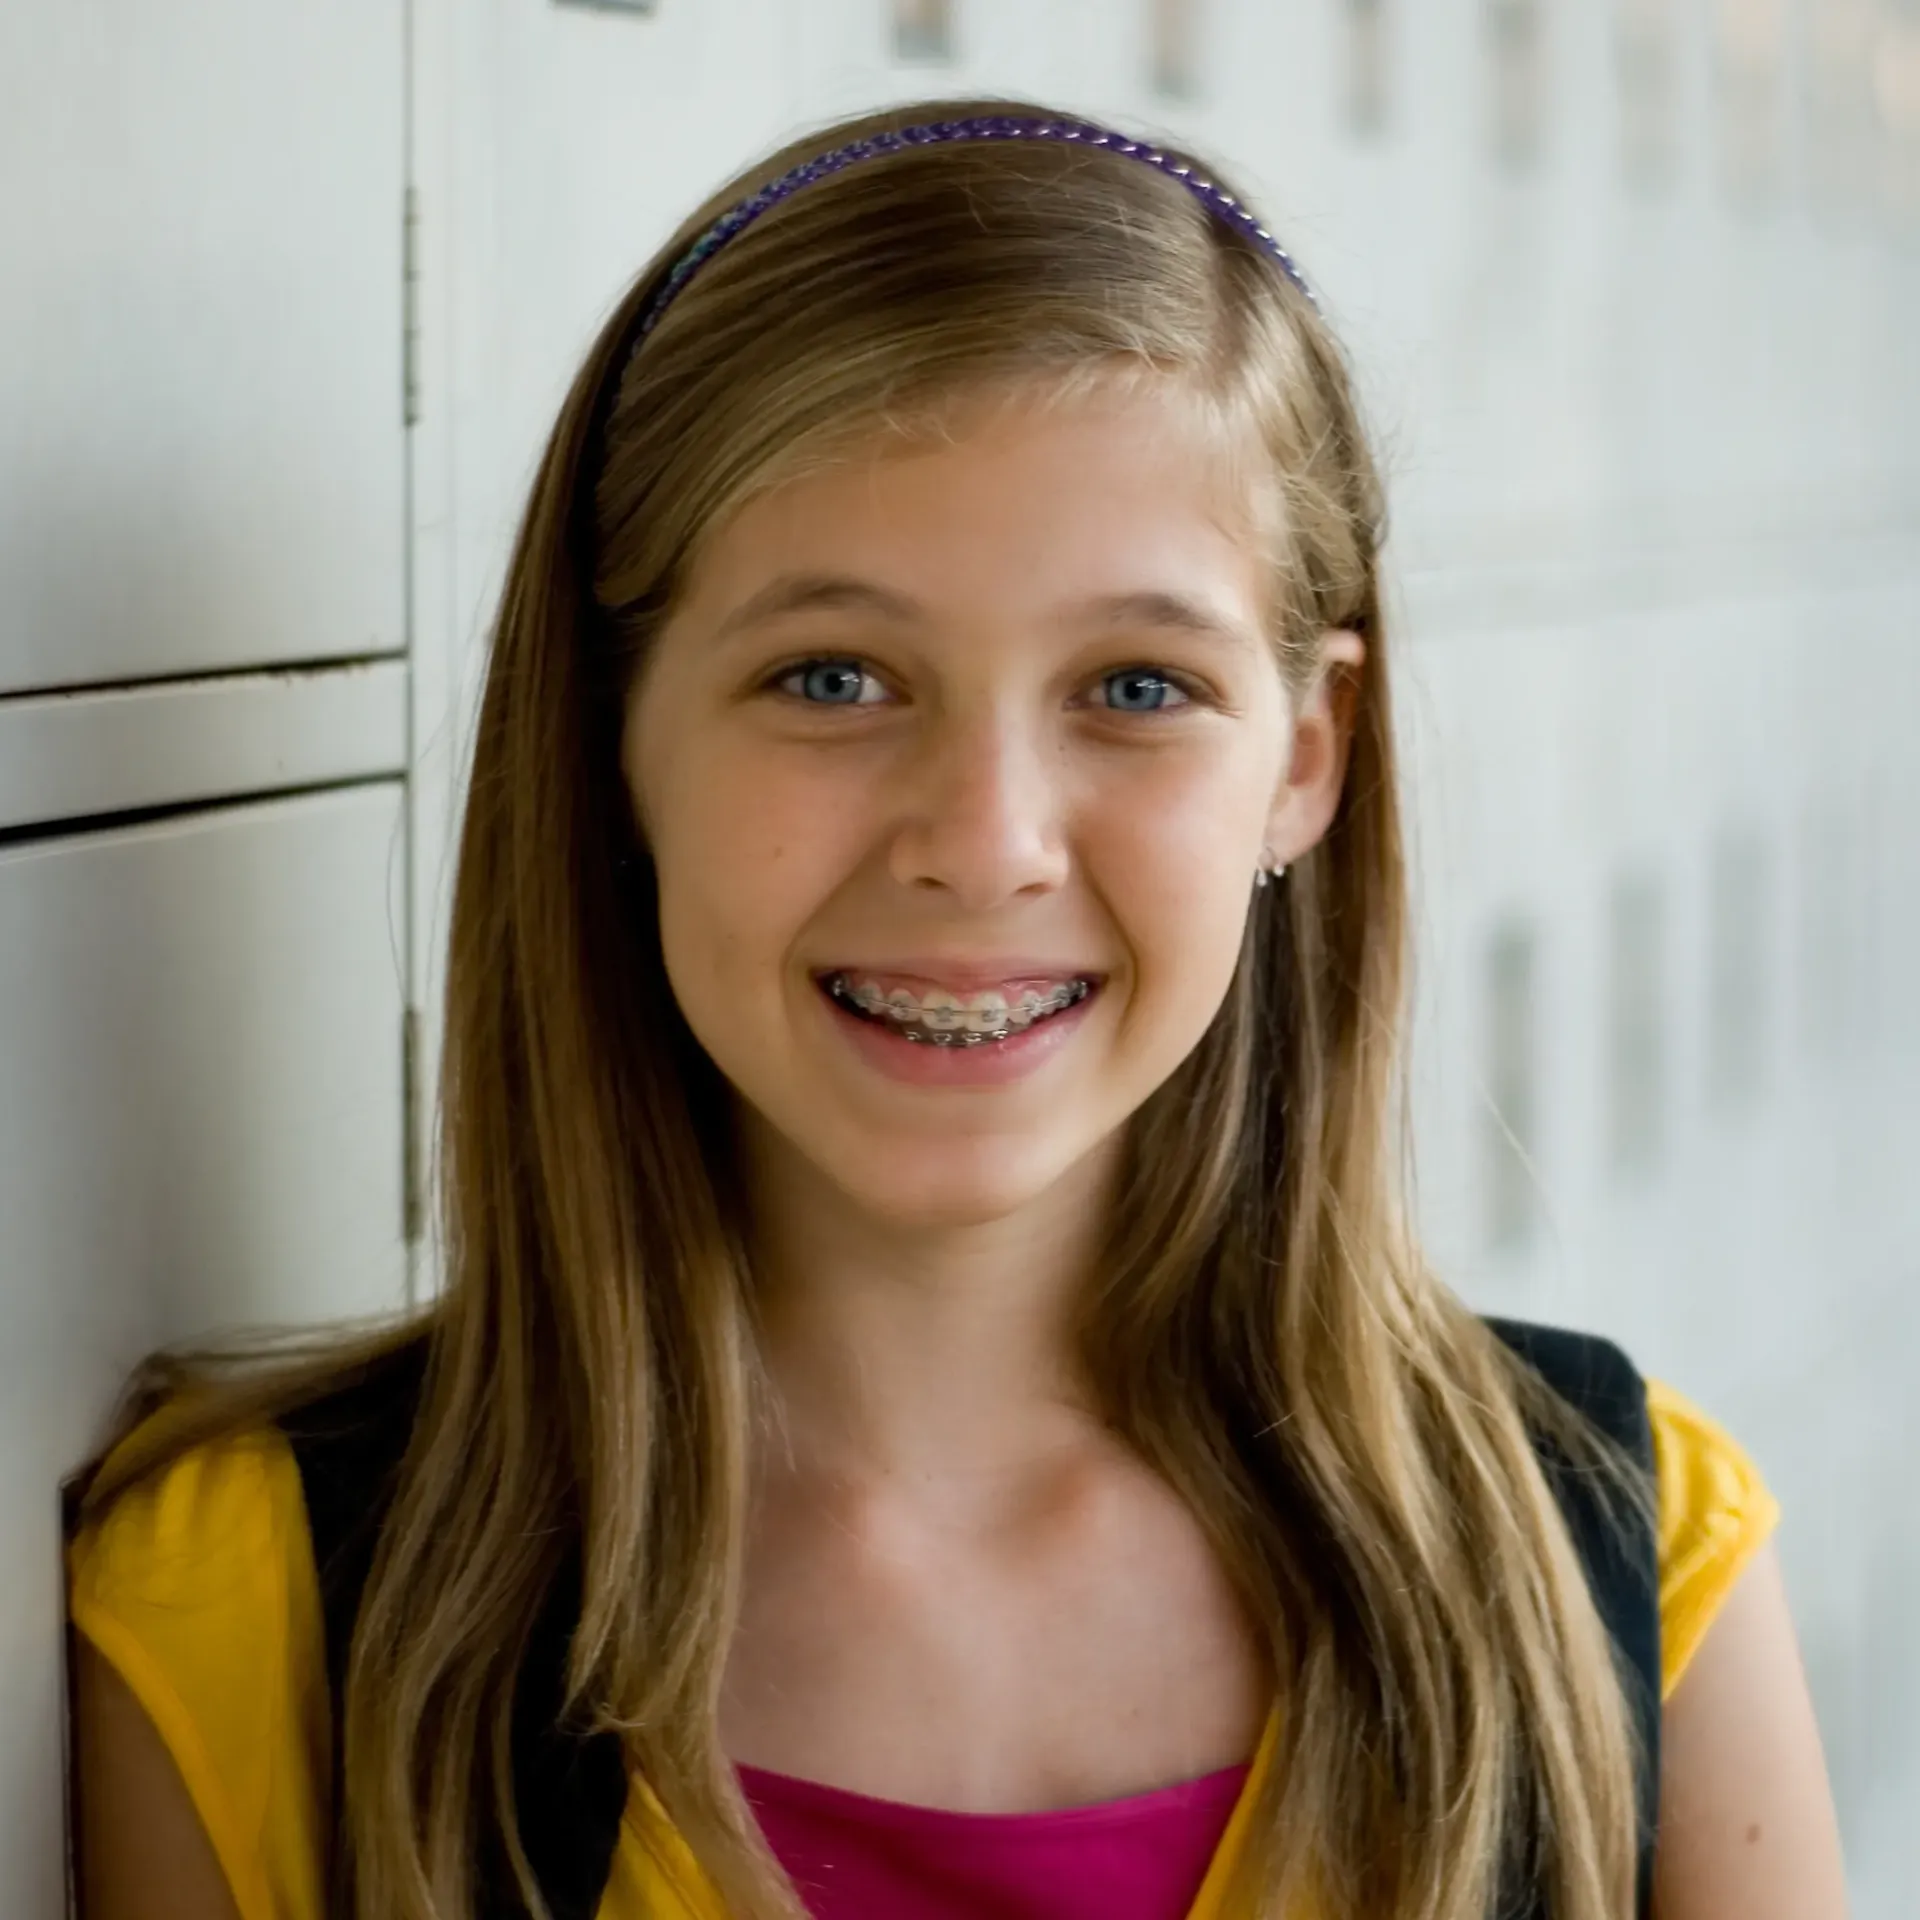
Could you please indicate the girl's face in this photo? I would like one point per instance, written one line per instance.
(977, 736)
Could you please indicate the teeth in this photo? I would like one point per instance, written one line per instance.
(942, 1012)
(988, 1014)
(944, 1019)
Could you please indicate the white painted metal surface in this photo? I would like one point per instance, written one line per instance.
(200, 1101)
(69, 756)
(202, 515)
(200, 253)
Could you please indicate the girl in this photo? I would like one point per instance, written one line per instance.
(936, 1410)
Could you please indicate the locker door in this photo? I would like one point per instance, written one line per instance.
(200, 261)
(559, 145)
(200, 1127)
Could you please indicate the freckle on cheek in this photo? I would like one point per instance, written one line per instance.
(1753, 1833)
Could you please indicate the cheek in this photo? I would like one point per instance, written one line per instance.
(1181, 856)
(744, 858)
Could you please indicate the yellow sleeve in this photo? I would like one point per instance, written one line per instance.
(198, 1587)
(1715, 1514)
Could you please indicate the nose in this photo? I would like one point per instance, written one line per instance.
(983, 811)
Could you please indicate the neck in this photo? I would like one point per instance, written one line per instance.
(929, 1355)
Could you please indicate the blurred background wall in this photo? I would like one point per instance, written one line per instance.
(291, 295)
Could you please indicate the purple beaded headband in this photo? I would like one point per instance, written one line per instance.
(987, 127)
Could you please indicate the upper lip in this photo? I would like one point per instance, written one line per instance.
(968, 976)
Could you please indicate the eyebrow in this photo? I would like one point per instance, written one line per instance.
(1172, 612)
(792, 593)
(796, 593)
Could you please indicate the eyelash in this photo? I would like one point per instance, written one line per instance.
(1192, 694)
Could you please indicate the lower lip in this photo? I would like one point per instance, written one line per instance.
(993, 1063)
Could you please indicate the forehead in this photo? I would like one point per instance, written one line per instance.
(1009, 504)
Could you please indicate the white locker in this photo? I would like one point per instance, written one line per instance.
(558, 146)
(201, 1095)
(201, 213)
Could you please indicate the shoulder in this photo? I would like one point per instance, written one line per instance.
(219, 1502)
(196, 1585)
(1716, 1511)
(1713, 1509)
(199, 1565)
(219, 1517)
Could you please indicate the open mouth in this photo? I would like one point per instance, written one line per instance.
(950, 1021)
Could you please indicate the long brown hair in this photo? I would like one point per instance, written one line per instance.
(1265, 1332)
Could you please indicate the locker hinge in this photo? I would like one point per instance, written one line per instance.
(413, 1200)
(410, 308)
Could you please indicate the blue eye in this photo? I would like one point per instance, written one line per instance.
(826, 683)
(1141, 690)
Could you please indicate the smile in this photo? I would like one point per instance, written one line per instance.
(941, 1019)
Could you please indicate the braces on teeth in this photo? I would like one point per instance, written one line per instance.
(907, 1015)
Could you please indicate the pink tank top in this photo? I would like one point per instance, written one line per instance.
(857, 1858)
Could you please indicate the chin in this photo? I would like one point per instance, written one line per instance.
(937, 1191)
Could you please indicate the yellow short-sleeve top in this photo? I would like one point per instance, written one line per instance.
(199, 1588)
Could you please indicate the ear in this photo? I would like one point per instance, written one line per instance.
(1309, 792)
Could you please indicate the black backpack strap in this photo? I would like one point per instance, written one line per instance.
(1617, 1549)
(570, 1789)
(569, 1785)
